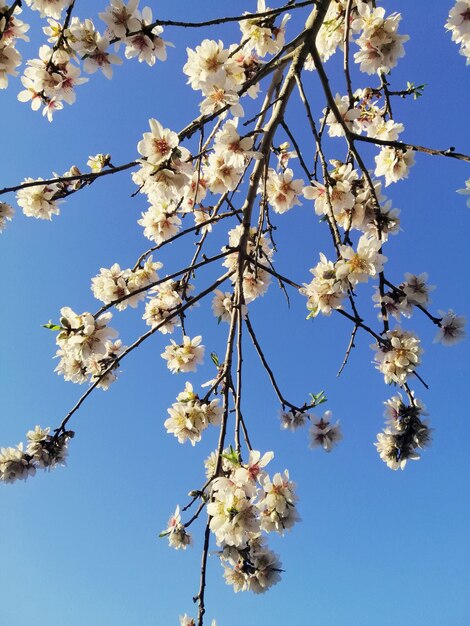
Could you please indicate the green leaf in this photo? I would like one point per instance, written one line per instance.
(318, 398)
(215, 359)
(51, 326)
(231, 456)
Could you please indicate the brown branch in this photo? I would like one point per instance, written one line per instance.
(238, 392)
(351, 345)
(60, 40)
(401, 145)
(202, 585)
(87, 178)
(347, 28)
(236, 18)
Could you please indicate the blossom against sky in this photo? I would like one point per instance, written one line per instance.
(81, 542)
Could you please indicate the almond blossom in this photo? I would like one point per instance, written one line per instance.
(451, 328)
(184, 357)
(158, 145)
(324, 433)
(39, 200)
(394, 164)
(178, 537)
(282, 191)
(261, 34)
(360, 264)
(400, 357)
(6, 215)
(458, 24)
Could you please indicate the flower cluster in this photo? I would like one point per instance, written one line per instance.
(86, 350)
(404, 433)
(6, 215)
(353, 203)
(332, 31)
(11, 29)
(324, 433)
(225, 166)
(291, 420)
(213, 69)
(184, 357)
(164, 177)
(164, 299)
(244, 502)
(380, 45)
(256, 280)
(39, 201)
(43, 451)
(332, 281)
(398, 355)
(364, 115)
(222, 306)
(282, 191)
(51, 79)
(114, 283)
(178, 538)
(458, 24)
(189, 416)
(261, 34)
(399, 301)
(393, 164)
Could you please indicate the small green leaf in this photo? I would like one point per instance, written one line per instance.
(215, 359)
(318, 398)
(51, 326)
(231, 456)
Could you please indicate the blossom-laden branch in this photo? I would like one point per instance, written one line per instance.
(228, 183)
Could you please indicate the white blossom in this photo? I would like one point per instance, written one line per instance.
(323, 433)
(281, 190)
(458, 24)
(466, 190)
(394, 164)
(291, 420)
(398, 358)
(184, 357)
(6, 215)
(452, 328)
(39, 200)
(178, 537)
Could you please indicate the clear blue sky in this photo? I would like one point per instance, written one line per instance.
(375, 548)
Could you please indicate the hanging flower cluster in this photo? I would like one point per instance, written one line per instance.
(405, 433)
(243, 502)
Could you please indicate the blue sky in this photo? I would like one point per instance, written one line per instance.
(375, 547)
